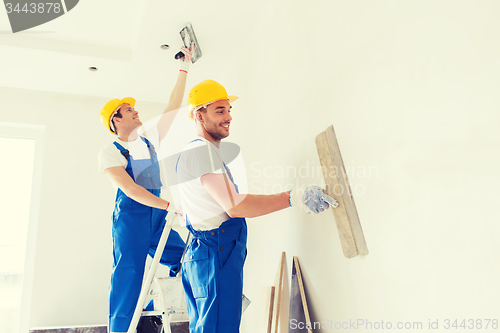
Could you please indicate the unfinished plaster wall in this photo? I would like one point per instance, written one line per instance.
(411, 90)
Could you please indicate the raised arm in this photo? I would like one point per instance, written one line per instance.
(121, 178)
(175, 101)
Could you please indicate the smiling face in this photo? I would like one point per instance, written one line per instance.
(216, 120)
(128, 121)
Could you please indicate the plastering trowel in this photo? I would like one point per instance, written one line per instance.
(346, 216)
(188, 37)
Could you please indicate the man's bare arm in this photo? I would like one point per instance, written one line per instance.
(242, 205)
(122, 179)
(174, 104)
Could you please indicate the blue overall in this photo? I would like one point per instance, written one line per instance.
(212, 275)
(136, 232)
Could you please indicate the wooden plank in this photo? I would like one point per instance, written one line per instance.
(266, 310)
(337, 186)
(299, 320)
(277, 300)
(302, 291)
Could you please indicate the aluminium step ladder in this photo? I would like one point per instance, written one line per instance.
(165, 312)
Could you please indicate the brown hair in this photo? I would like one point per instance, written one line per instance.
(117, 115)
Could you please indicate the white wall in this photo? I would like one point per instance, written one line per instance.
(411, 89)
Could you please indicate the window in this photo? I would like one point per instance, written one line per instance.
(20, 150)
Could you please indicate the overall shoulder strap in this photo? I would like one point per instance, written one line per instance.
(124, 151)
(150, 145)
(177, 163)
(146, 141)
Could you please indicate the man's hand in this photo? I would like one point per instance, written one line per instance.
(315, 200)
(188, 55)
(180, 213)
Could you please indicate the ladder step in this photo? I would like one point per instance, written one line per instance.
(161, 313)
(152, 313)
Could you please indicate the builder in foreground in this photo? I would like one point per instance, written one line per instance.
(131, 163)
(215, 214)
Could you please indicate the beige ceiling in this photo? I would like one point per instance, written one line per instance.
(122, 38)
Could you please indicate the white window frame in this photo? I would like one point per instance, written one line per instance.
(37, 133)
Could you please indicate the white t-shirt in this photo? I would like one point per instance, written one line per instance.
(199, 158)
(110, 156)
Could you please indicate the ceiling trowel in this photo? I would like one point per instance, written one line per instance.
(188, 37)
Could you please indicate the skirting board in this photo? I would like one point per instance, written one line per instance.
(337, 186)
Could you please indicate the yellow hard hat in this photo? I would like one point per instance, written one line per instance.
(206, 92)
(110, 108)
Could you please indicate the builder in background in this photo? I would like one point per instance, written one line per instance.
(215, 214)
(131, 163)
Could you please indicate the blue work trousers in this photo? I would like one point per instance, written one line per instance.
(212, 276)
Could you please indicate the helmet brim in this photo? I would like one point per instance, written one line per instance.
(230, 99)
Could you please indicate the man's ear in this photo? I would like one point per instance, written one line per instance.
(116, 121)
(199, 116)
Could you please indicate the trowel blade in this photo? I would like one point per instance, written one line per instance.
(189, 37)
